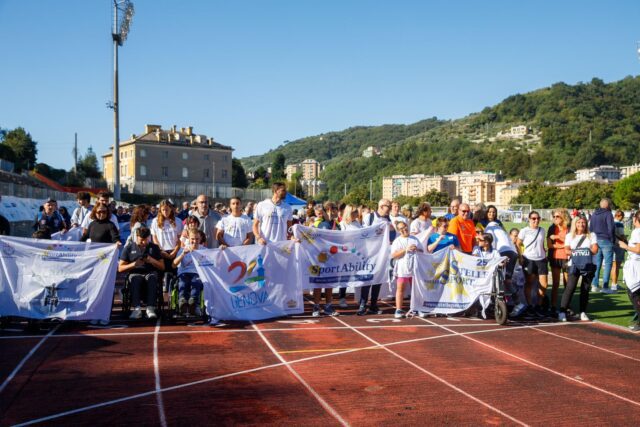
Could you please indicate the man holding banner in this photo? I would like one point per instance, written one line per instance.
(273, 217)
(380, 216)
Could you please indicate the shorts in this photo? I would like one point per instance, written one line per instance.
(404, 280)
(538, 267)
(618, 254)
(558, 263)
(511, 264)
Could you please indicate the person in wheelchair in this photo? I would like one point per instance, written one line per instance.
(142, 260)
(189, 283)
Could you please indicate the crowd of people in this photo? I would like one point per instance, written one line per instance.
(577, 249)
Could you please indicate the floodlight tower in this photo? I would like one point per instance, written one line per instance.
(121, 26)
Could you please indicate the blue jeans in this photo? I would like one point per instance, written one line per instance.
(605, 253)
(189, 286)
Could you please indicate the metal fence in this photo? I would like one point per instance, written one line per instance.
(30, 192)
(192, 190)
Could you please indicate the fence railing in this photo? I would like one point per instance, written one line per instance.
(192, 190)
(30, 192)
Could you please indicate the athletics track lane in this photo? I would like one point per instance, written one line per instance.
(372, 387)
(532, 394)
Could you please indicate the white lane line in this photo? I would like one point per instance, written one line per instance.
(522, 359)
(230, 331)
(310, 389)
(261, 368)
(13, 373)
(434, 376)
(589, 345)
(156, 371)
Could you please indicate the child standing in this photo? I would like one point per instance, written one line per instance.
(403, 250)
(189, 283)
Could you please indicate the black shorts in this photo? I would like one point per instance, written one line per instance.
(511, 264)
(538, 267)
(558, 263)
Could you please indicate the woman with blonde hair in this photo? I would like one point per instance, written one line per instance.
(166, 231)
(558, 253)
(581, 245)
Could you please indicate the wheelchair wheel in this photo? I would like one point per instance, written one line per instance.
(500, 311)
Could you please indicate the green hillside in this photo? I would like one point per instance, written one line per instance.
(573, 126)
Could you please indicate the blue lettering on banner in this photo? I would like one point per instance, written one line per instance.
(438, 304)
(57, 259)
(250, 300)
(342, 279)
(348, 268)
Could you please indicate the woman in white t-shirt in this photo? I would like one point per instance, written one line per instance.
(632, 268)
(581, 246)
(349, 222)
(403, 250)
(534, 258)
(165, 231)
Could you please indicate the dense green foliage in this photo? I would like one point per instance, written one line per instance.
(585, 195)
(574, 126)
(277, 167)
(627, 192)
(23, 147)
(238, 175)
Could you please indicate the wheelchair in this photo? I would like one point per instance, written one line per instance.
(126, 298)
(173, 303)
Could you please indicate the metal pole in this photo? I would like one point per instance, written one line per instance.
(370, 189)
(345, 189)
(116, 107)
(75, 153)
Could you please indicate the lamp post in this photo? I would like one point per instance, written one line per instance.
(119, 35)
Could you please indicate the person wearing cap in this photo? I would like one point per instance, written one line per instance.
(50, 217)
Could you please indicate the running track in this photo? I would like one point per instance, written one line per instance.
(347, 370)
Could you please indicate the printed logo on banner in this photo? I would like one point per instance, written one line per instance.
(248, 287)
(7, 250)
(59, 252)
(363, 266)
(52, 294)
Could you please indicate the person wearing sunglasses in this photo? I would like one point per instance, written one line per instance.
(534, 255)
(463, 228)
(101, 229)
(403, 250)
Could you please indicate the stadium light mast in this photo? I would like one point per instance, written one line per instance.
(121, 25)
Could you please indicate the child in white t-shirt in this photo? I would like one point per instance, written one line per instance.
(189, 283)
(403, 251)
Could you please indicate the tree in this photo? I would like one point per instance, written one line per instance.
(238, 176)
(7, 153)
(88, 165)
(277, 168)
(627, 192)
(294, 187)
(24, 147)
(436, 198)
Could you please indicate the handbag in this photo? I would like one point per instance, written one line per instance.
(582, 260)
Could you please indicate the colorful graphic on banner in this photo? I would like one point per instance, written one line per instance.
(52, 279)
(250, 282)
(72, 235)
(331, 259)
(450, 281)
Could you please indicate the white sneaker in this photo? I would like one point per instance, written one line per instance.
(316, 310)
(422, 314)
(607, 291)
(136, 313)
(343, 303)
(562, 317)
(584, 317)
(151, 312)
(595, 289)
(614, 287)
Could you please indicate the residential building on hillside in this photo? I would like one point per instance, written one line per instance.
(516, 132)
(475, 187)
(604, 172)
(291, 170)
(313, 187)
(171, 162)
(626, 171)
(506, 191)
(371, 151)
(310, 169)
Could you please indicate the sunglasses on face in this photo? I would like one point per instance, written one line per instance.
(464, 211)
(535, 218)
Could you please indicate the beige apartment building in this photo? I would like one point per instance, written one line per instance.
(415, 185)
(172, 162)
(310, 169)
(291, 170)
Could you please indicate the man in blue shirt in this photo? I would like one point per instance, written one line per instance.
(50, 217)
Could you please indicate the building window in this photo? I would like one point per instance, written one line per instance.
(185, 172)
(205, 173)
(165, 155)
(224, 173)
(143, 170)
(224, 158)
(206, 157)
(185, 156)
(143, 152)
(165, 171)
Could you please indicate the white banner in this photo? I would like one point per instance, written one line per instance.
(449, 281)
(72, 235)
(332, 259)
(51, 279)
(252, 282)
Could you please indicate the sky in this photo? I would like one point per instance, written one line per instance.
(252, 74)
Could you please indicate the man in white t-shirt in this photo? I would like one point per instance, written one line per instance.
(234, 229)
(273, 217)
